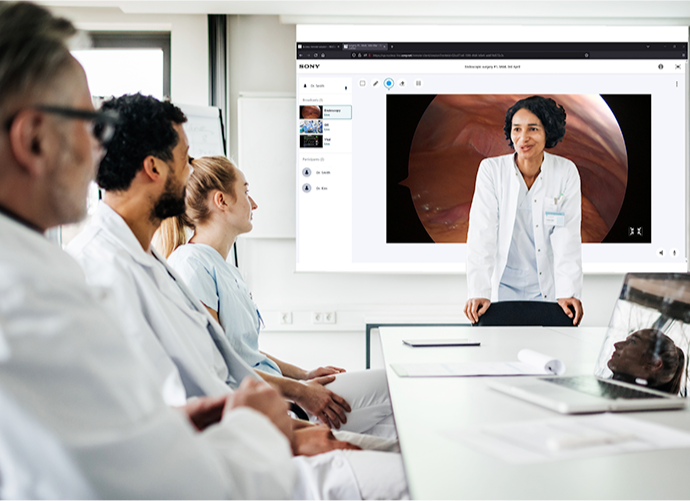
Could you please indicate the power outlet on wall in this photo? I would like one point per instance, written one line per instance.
(323, 317)
(286, 317)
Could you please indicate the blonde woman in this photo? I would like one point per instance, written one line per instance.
(219, 209)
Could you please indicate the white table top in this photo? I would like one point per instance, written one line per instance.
(441, 468)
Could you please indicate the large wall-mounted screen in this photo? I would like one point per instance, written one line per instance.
(393, 122)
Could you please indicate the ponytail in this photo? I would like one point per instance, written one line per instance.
(669, 379)
(171, 234)
(675, 383)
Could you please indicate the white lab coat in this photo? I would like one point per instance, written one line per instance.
(492, 218)
(66, 363)
(33, 463)
(150, 306)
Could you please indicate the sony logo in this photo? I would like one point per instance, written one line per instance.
(309, 66)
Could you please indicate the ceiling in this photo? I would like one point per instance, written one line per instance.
(661, 12)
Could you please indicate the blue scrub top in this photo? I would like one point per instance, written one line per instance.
(220, 286)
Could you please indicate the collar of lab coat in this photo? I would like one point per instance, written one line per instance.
(546, 165)
(113, 224)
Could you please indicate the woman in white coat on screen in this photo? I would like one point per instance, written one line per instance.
(524, 238)
(219, 209)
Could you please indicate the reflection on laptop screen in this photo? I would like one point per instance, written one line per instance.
(647, 339)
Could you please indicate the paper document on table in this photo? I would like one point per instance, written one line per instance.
(531, 363)
(571, 437)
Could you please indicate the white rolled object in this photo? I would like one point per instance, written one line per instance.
(541, 360)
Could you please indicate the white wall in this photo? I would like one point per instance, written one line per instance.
(188, 44)
(261, 58)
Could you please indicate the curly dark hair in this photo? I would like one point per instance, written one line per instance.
(551, 114)
(145, 128)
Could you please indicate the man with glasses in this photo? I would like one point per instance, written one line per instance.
(81, 408)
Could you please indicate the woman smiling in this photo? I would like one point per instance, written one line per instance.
(524, 241)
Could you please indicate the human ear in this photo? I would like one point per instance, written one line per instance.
(655, 365)
(150, 168)
(27, 141)
(219, 200)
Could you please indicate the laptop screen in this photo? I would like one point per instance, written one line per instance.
(647, 338)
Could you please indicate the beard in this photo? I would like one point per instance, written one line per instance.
(171, 202)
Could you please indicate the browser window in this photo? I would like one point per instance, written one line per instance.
(393, 122)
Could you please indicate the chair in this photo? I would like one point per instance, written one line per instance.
(299, 412)
(519, 313)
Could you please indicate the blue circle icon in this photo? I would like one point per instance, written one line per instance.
(388, 83)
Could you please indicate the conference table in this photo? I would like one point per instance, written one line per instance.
(429, 411)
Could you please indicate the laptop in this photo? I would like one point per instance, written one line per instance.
(642, 363)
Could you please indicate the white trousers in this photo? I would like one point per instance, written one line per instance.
(367, 394)
(342, 474)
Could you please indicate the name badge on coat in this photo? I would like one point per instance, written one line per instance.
(554, 218)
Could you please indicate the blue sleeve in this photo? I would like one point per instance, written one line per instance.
(200, 279)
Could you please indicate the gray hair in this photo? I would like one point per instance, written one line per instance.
(33, 51)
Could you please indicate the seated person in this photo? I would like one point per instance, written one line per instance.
(651, 356)
(143, 176)
(74, 391)
(219, 209)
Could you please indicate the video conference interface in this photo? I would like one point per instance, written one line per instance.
(393, 123)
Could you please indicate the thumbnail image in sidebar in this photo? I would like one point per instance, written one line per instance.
(311, 127)
(311, 141)
(311, 112)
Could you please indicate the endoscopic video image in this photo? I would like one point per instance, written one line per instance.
(452, 134)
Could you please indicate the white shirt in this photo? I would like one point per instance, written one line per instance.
(520, 280)
(220, 286)
(492, 220)
(67, 364)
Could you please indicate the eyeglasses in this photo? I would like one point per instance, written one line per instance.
(103, 122)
